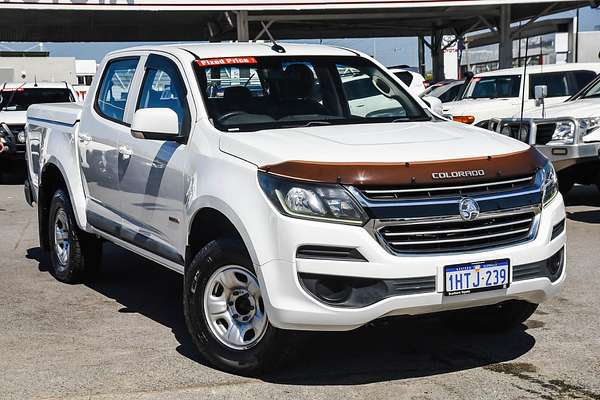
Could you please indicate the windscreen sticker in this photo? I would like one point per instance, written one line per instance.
(209, 62)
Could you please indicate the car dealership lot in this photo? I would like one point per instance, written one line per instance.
(124, 336)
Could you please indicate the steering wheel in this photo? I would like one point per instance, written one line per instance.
(230, 114)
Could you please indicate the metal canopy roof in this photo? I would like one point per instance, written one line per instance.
(184, 20)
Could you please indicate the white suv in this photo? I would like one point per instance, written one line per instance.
(249, 171)
(498, 94)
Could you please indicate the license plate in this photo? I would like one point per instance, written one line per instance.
(476, 277)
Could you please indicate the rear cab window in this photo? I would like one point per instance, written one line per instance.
(114, 88)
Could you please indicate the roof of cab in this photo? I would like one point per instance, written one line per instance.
(534, 69)
(232, 49)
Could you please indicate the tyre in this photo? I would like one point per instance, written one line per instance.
(495, 318)
(225, 312)
(74, 254)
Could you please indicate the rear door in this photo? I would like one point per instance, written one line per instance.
(104, 119)
(151, 177)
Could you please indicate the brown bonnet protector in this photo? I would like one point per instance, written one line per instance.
(467, 170)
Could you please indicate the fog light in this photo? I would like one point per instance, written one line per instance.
(555, 265)
(333, 290)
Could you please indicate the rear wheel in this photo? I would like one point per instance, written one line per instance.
(495, 318)
(75, 255)
(225, 311)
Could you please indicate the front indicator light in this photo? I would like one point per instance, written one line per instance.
(465, 119)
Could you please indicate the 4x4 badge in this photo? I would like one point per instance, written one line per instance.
(468, 209)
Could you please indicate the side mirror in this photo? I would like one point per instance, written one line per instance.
(540, 93)
(434, 104)
(155, 123)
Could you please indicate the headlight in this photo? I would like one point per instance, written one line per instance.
(21, 137)
(550, 186)
(322, 202)
(588, 125)
(564, 132)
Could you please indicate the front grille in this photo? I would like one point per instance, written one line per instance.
(456, 190)
(450, 234)
(522, 131)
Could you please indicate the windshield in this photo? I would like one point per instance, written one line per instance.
(491, 87)
(248, 93)
(21, 99)
(593, 91)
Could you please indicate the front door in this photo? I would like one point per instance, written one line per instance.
(101, 126)
(151, 176)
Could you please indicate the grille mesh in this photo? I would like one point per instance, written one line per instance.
(458, 235)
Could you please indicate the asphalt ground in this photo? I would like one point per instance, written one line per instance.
(124, 337)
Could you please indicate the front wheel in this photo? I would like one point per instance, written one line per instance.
(225, 311)
(495, 318)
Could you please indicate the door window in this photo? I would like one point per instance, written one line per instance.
(581, 79)
(164, 88)
(114, 88)
(557, 83)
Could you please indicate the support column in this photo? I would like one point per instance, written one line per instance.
(421, 47)
(505, 45)
(243, 30)
(437, 56)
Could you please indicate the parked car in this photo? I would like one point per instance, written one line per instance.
(15, 99)
(498, 94)
(414, 80)
(285, 213)
(566, 133)
(446, 90)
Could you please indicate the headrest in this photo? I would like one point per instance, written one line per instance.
(236, 96)
(299, 80)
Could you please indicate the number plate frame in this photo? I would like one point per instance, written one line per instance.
(472, 266)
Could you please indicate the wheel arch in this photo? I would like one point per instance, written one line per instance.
(221, 223)
(52, 177)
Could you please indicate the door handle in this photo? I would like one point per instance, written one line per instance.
(83, 138)
(125, 152)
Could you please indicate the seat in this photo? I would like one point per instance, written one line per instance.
(299, 83)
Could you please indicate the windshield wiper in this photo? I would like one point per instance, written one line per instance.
(312, 123)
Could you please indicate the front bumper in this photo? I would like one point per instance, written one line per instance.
(291, 306)
(565, 156)
(562, 155)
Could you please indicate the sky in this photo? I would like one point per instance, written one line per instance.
(389, 51)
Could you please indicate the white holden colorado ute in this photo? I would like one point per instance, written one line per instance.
(245, 168)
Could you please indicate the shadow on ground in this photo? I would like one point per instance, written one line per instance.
(392, 349)
(584, 196)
